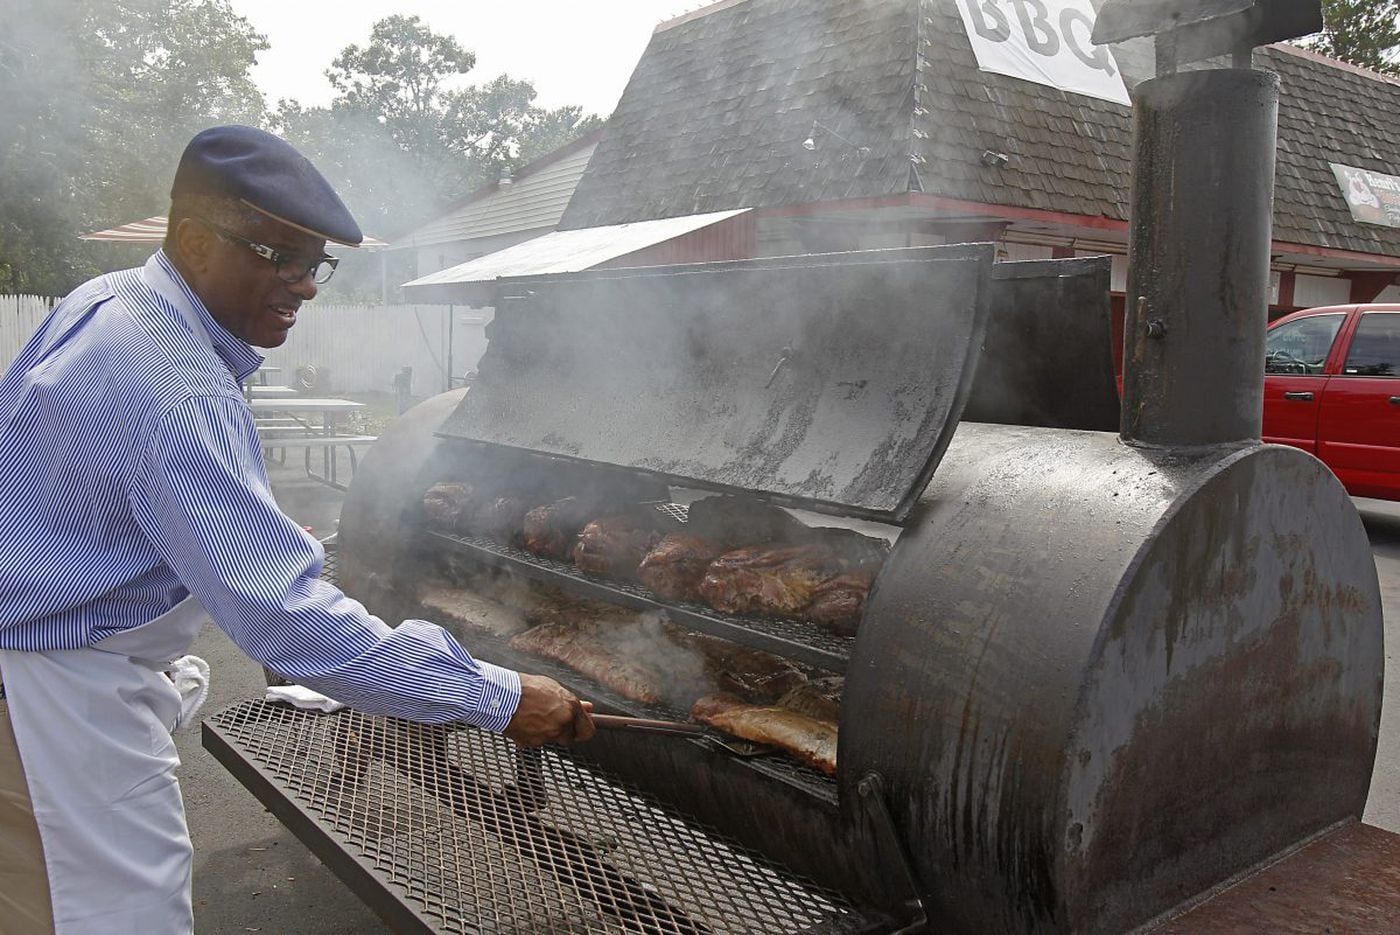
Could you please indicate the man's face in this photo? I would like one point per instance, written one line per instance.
(242, 290)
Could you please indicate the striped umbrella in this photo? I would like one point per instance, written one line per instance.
(152, 230)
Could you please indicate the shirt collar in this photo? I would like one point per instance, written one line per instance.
(240, 358)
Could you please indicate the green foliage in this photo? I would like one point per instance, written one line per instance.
(403, 138)
(1362, 32)
(399, 74)
(98, 98)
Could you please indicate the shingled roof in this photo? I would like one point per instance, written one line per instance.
(1330, 112)
(716, 111)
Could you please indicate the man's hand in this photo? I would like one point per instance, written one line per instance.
(548, 713)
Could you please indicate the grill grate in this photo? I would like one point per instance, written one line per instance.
(796, 639)
(330, 569)
(478, 835)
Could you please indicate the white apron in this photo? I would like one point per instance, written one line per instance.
(93, 729)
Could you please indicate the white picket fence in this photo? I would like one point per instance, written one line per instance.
(19, 316)
(359, 349)
(356, 349)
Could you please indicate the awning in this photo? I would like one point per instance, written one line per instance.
(571, 251)
(152, 230)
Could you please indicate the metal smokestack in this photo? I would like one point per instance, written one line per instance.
(1200, 217)
(1198, 268)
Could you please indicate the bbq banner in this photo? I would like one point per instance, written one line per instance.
(1045, 41)
(1372, 197)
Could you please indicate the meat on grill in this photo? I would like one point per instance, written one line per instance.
(735, 522)
(645, 658)
(615, 545)
(854, 551)
(673, 568)
(839, 602)
(443, 505)
(811, 740)
(773, 580)
(819, 698)
(552, 530)
(549, 605)
(581, 649)
(466, 611)
(500, 518)
(752, 674)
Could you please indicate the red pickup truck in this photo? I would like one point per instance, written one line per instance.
(1332, 387)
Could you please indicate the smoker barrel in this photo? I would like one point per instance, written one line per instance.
(1098, 680)
(1091, 681)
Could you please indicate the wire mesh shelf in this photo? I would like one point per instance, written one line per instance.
(797, 640)
(457, 830)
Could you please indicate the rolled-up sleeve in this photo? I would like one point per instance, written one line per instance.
(200, 492)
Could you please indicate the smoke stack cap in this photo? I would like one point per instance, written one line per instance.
(1193, 30)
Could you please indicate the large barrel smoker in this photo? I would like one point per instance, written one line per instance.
(1098, 674)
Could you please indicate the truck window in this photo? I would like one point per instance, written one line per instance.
(1301, 346)
(1375, 348)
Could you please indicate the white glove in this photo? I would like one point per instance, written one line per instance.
(190, 676)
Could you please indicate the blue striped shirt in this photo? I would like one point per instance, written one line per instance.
(131, 475)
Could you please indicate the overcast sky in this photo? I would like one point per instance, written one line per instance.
(573, 51)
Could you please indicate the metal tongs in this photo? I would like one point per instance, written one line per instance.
(681, 728)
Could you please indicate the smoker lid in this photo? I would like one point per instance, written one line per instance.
(830, 382)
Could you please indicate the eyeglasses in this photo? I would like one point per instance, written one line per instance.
(290, 269)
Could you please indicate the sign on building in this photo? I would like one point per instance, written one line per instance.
(1045, 41)
(1373, 198)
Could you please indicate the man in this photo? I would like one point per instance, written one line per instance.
(133, 499)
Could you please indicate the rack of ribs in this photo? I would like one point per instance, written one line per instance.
(809, 739)
(581, 648)
(752, 674)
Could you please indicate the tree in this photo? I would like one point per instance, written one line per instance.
(97, 100)
(1362, 32)
(403, 137)
(554, 129)
(399, 75)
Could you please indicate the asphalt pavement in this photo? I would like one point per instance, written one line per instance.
(1382, 519)
(252, 875)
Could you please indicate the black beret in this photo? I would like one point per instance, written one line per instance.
(266, 173)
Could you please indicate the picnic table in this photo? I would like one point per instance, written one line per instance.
(309, 423)
(268, 391)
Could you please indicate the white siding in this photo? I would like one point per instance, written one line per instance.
(437, 257)
(1312, 291)
(534, 201)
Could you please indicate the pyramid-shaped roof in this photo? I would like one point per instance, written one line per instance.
(716, 112)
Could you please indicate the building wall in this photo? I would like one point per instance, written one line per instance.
(439, 256)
